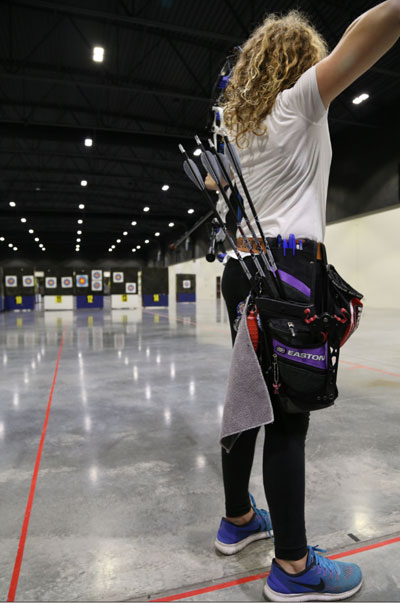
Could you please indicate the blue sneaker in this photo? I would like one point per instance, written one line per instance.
(231, 539)
(322, 580)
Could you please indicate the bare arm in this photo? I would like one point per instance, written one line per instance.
(366, 40)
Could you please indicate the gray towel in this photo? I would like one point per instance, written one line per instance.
(247, 401)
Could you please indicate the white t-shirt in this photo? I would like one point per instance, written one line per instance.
(287, 169)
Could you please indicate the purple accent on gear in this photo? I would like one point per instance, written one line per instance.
(294, 282)
(316, 357)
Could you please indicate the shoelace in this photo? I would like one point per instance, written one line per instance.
(324, 563)
(262, 515)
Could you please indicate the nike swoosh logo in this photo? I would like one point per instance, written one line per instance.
(317, 587)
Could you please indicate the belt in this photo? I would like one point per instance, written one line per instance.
(242, 246)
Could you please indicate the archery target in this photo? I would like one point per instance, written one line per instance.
(82, 280)
(66, 282)
(118, 277)
(28, 281)
(51, 282)
(186, 284)
(11, 281)
(97, 285)
(97, 275)
(130, 288)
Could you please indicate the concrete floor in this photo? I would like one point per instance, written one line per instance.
(129, 493)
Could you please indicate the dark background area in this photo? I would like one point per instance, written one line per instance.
(153, 91)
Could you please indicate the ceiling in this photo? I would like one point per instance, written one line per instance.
(152, 92)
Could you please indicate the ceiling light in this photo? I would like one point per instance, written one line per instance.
(37, 188)
(37, 239)
(43, 248)
(98, 54)
(156, 234)
(360, 99)
(10, 245)
(2, 239)
(23, 220)
(12, 204)
(197, 152)
(81, 206)
(80, 221)
(78, 232)
(112, 246)
(76, 249)
(137, 246)
(83, 182)
(78, 240)
(31, 231)
(125, 233)
(190, 211)
(133, 250)
(165, 187)
(110, 249)
(15, 248)
(171, 224)
(134, 223)
(147, 241)
(146, 209)
(118, 240)
(40, 244)
(88, 142)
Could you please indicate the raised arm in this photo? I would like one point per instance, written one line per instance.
(363, 43)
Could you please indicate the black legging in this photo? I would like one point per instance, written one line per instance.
(283, 460)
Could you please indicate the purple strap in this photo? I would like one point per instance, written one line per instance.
(294, 282)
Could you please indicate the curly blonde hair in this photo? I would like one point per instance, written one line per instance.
(274, 57)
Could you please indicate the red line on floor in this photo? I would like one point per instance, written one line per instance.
(369, 368)
(222, 585)
(25, 525)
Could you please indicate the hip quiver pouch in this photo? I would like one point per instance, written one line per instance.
(303, 323)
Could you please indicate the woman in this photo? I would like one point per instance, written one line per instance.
(275, 109)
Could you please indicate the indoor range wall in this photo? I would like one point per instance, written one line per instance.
(365, 250)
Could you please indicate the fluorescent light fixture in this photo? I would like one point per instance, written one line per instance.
(98, 54)
(146, 208)
(23, 220)
(133, 250)
(83, 182)
(15, 248)
(133, 223)
(138, 246)
(78, 240)
(12, 204)
(76, 249)
(359, 99)
(147, 241)
(171, 224)
(81, 206)
(88, 142)
(78, 232)
(118, 240)
(2, 239)
(125, 233)
(165, 187)
(156, 234)
(31, 231)
(11, 245)
(112, 246)
(197, 152)
(41, 245)
(43, 248)
(190, 211)
(37, 239)
(80, 221)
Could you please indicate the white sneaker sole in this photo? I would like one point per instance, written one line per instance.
(272, 595)
(231, 549)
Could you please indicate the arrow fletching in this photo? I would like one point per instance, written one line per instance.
(210, 164)
(233, 157)
(193, 173)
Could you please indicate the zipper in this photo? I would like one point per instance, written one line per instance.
(291, 329)
(275, 379)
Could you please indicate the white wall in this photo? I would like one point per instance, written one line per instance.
(206, 277)
(366, 253)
